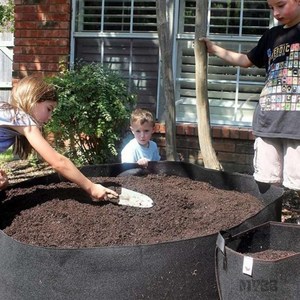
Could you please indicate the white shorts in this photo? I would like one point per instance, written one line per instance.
(277, 161)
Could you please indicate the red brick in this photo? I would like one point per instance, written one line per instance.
(39, 66)
(162, 128)
(41, 50)
(225, 132)
(54, 33)
(251, 136)
(156, 127)
(224, 147)
(41, 31)
(190, 130)
(32, 16)
(63, 2)
(60, 9)
(36, 58)
(44, 8)
(21, 25)
(244, 134)
(23, 9)
(180, 129)
(216, 132)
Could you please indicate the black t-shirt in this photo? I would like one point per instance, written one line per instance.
(278, 112)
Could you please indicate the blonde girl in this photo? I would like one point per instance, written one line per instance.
(21, 120)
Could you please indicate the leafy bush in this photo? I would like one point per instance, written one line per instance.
(7, 16)
(92, 113)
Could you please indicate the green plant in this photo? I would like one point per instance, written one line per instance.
(6, 156)
(92, 113)
(7, 16)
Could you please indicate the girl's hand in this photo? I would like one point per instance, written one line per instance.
(100, 192)
(3, 180)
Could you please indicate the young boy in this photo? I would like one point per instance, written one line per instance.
(141, 149)
(276, 120)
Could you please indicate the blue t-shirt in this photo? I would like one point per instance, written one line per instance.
(10, 117)
(133, 151)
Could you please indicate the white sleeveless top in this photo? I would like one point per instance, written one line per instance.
(11, 117)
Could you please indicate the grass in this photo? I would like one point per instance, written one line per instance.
(6, 156)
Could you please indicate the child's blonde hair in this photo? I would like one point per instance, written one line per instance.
(142, 116)
(29, 91)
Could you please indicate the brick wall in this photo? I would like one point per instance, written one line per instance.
(42, 36)
(233, 146)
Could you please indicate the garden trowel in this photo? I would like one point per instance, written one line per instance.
(135, 199)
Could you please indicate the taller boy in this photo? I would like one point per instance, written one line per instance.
(276, 121)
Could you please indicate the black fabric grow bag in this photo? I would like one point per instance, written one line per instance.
(182, 269)
(269, 279)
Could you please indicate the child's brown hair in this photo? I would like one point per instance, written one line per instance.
(142, 116)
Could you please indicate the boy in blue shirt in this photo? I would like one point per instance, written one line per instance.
(141, 149)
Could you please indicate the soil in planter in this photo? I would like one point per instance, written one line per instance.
(271, 254)
(62, 215)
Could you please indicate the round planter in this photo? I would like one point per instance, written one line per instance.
(242, 276)
(183, 269)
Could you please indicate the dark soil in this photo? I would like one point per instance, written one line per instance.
(62, 215)
(271, 254)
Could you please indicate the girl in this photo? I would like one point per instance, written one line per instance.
(31, 105)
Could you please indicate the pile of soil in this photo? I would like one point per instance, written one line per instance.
(62, 215)
(271, 254)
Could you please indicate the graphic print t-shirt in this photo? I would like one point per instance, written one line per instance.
(278, 112)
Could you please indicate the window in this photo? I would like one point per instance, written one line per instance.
(116, 16)
(227, 17)
(233, 92)
(135, 59)
(123, 35)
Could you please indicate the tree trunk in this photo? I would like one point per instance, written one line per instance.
(165, 46)
(210, 159)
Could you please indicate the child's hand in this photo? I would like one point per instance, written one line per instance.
(100, 192)
(209, 44)
(3, 180)
(143, 162)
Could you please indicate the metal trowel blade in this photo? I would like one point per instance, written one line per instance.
(135, 199)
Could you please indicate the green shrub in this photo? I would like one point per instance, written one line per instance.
(92, 113)
(7, 16)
